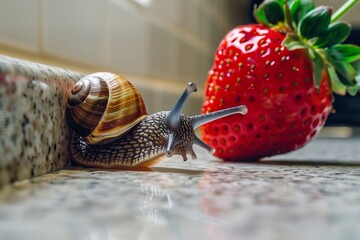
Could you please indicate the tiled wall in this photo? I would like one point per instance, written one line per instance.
(160, 45)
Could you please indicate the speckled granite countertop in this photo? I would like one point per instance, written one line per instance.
(313, 193)
(33, 131)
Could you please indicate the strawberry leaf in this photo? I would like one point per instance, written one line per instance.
(305, 7)
(346, 72)
(335, 34)
(318, 65)
(353, 90)
(356, 66)
(273, 12)
(299, 8)
(280, 2)
(315, 22)
(295, 7)
(270, 12)
(260, 16)
(336, 85)
(288, 18)
(345, 52)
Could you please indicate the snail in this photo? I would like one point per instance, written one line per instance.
(111, 128)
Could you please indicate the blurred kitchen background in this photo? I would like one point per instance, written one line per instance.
(159, 45)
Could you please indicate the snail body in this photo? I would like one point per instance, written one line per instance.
(113, 130)
(141, 146)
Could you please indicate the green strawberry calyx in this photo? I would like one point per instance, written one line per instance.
(322, 34)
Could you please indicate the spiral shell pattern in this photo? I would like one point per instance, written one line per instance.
(103, 106)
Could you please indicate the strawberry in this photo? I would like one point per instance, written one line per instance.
(285, 70)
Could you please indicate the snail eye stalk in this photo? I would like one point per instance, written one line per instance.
(173, 119)
(202, 119)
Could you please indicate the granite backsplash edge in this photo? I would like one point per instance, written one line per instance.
(33, 131)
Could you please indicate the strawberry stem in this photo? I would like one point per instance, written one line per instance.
(343, 9)
(288, 16)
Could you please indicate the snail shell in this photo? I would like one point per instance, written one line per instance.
(103, 106)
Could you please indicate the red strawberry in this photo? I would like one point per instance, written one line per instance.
(282, 70)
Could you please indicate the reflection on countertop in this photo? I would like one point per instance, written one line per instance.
(313, 193)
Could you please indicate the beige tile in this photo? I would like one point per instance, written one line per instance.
(171, 10)
(129, 45)
(191, 16)
(164, 54)
(19, 24)
(74, 29)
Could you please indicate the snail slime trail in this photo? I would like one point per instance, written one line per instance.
(111, 128)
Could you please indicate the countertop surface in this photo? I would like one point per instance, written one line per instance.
(313, 193)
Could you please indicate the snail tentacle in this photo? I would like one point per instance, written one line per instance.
(170, 145)
(200, 143)
(192, 153)
(199, 120)
(173, 120)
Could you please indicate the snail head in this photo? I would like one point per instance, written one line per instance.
(181, 128)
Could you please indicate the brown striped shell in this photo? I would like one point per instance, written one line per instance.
(103, 106)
